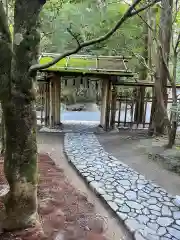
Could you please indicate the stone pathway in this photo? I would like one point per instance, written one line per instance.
(147, 210)
(135, 153)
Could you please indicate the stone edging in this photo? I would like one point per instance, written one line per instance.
(147, 210)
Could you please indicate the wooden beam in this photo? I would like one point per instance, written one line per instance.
(79, 56)
(139, 84)
(90, 74)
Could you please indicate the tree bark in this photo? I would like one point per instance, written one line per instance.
(20, 165)
(165, 32)
(140, 92)
(139, 107)
(152, 59)
(5, 63)
(161, 112)
(153, 109)
(2, 135)
(172, 135)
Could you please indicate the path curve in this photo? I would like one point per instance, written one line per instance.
(52, 144)
(147, 210)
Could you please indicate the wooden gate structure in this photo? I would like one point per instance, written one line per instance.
(112, 72)
(109, 69)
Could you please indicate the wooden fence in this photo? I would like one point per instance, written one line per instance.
(125, 112)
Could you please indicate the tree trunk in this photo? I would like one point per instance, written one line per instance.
(2, 134)
(152, 58)
(5, 63)
(139, 106)
(165, 32)
(161, 112)
(172, 136)
(153, 108)
(140, 92)
(20, 165)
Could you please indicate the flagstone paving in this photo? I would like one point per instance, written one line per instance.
(147, 210)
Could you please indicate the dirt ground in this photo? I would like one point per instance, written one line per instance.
(64, 212)
(52, 143)
(132, 148)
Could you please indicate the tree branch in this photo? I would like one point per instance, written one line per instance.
(128, 14)
(136, 12)
(177, 43)
(75, 36)
(177, 8)
(165, 65)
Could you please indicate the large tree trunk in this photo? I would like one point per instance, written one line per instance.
(20, 165)
(172, 135)
(140, 92)
(2, 135)
(5, 63)
(165, 32)
(152, 55)
(161, 112)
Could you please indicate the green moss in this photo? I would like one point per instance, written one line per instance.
(29, 170)
(72, 63)
(81, 65)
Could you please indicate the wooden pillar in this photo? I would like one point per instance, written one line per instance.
(105, 103)
(52, 101)
(139, 105)
(113, 108)
(108, 104)
(42, 92)
(57, 100)
(47, 105)
(60, 89)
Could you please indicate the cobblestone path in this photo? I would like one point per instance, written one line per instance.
(147, 210)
